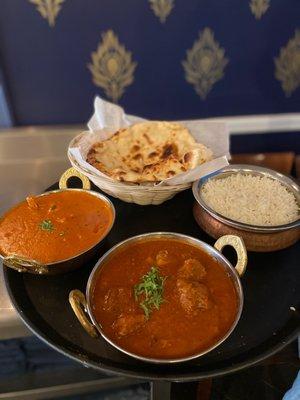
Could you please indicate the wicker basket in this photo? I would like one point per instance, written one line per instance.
(138, 194)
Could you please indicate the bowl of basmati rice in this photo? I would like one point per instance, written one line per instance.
(258, 204)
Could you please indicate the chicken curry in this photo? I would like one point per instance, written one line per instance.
(55, 226)
(164, 299)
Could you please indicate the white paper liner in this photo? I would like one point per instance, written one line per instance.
(109, 117)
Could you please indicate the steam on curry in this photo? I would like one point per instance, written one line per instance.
(164, 299)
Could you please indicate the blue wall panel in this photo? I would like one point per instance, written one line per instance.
(49, 81)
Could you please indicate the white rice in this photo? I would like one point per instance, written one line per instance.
(254, 200)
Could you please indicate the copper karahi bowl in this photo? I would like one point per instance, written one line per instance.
(256, 238)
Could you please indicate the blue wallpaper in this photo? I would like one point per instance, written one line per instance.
(163, 59)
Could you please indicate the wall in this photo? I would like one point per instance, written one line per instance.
(166, 59)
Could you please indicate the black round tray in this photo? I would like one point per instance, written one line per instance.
(268, 322)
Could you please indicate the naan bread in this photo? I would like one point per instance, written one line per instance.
(148, 152)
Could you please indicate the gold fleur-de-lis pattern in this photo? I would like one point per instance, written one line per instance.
(287, 65)
(48, 9)
(205, 63)
(162, 8)
(112, 66)
(259, 7)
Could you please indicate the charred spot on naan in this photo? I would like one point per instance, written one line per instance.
(153, 154)
(170, 174)
(187, 157)
(135, 148)
(137, 157)
(147, 138)
(118, 133)
(169, 149)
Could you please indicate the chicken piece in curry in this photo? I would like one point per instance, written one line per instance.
(164, 299)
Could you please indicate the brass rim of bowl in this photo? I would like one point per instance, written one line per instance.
(253, 170)
(92, 193)
(176, 236)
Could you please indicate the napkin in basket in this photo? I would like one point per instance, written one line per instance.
(109, 118)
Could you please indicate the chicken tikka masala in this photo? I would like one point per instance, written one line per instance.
(54, 226)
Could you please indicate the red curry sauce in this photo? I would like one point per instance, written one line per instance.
(199, 304)
(55, 226)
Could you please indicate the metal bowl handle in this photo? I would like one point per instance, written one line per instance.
(71, 172)
(239, 246)
(78, 303)
(22, 264)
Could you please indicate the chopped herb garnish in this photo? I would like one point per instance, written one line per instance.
(53, 207)
(149, 292)
(46, 225)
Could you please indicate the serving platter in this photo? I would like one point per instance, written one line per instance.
(270, 318)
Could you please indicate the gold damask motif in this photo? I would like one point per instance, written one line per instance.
(205, 63)
(112, 67)
(259, 7)
(48, 9)
(162, 8)
(287, 65)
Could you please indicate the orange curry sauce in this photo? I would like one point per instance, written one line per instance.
(200, 302)
(54, 227)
